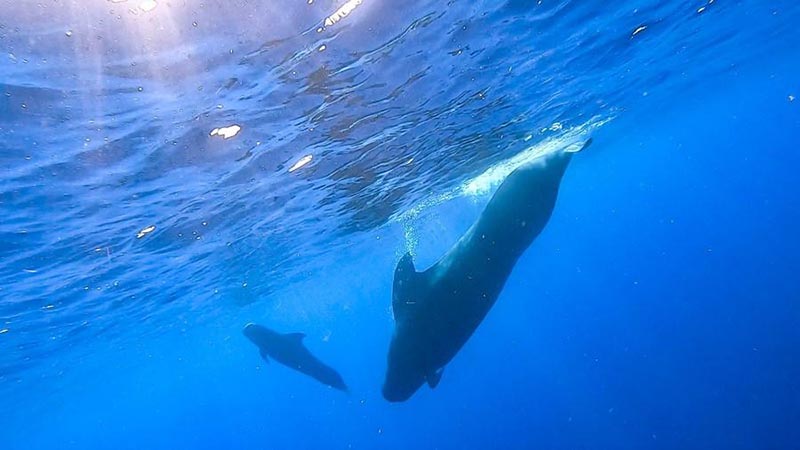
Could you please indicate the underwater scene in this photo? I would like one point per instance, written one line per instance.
(371, 224)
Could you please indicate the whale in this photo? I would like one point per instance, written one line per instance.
(437, 310)
(289, 350)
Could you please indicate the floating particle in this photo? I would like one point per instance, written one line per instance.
(791, 98)
(68, 33)
(4, 331)
(322, 47)
(638, 30)
(226, 132)
(301, 162)
(145, 231)
(702, 9)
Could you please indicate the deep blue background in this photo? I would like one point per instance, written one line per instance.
(659, 309)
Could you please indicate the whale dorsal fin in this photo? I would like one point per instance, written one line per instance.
(296, 337)
(406, 280)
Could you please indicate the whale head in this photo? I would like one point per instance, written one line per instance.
(259, 335)
(401, 384)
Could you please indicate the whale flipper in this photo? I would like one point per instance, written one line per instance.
(264, 355)
(434, 378)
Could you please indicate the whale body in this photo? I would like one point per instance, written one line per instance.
(288, 349)
(436, 311)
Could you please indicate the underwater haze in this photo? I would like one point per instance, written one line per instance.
(173, 170)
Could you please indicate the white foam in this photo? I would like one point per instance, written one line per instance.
(487, 181)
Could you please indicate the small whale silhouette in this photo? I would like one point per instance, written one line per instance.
(288, 349)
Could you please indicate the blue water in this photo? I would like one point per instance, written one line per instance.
(659, 309)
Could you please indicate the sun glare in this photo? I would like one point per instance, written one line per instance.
(342, 12)
(148, 5)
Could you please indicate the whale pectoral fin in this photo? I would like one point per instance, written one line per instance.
(434, 378)
(406, 279)
(264, 356)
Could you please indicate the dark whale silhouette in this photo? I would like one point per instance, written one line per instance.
(288, 349)
(437, 310)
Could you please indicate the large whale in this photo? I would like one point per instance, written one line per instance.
(288, 349)
(437, 310)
